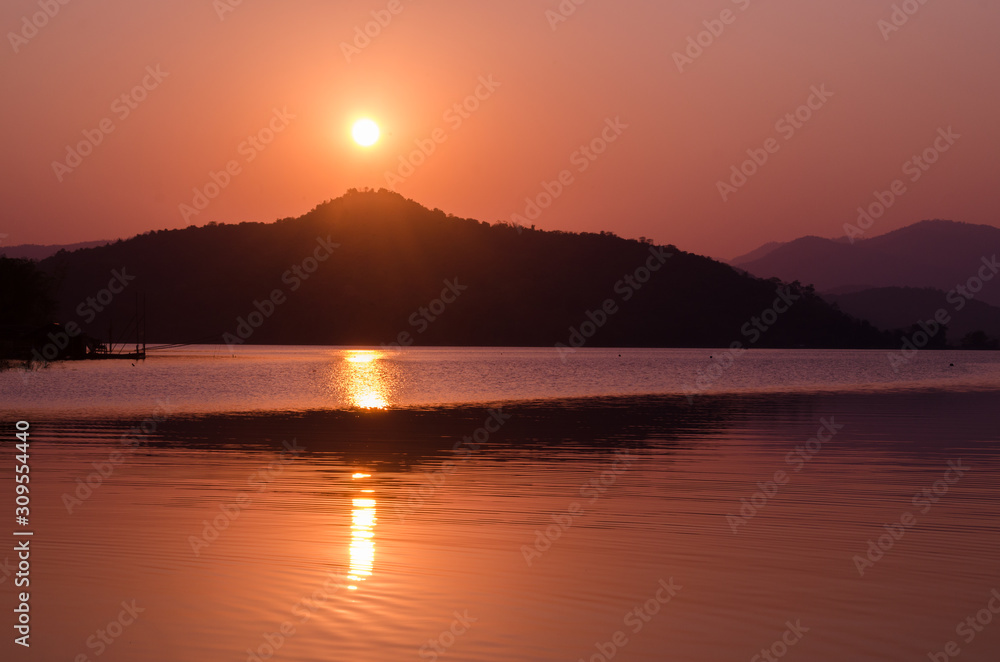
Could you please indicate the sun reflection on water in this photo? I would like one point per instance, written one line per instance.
(365, 379)
(362, 550)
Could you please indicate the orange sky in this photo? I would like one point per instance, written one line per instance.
(236, 70)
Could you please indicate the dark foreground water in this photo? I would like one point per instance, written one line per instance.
(234, 514)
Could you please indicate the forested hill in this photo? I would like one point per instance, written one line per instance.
(372, 267)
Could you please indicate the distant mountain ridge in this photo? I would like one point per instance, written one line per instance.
(757, 253)
(42, 251)
(899, 307)
(931, 254)
(372, 268)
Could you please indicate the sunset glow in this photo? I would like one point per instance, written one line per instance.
(486, 104)
(490, 331)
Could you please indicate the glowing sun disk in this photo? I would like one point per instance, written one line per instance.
(365, 132)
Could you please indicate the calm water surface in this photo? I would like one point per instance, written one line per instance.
(336, 504)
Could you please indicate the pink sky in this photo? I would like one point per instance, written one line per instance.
(553, 90)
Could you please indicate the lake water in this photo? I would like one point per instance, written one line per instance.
(313, 503)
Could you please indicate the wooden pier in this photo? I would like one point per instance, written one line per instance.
(118, 348)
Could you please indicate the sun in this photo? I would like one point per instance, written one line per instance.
(365, 132)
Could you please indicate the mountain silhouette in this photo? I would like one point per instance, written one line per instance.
(757, 253)
(930, 254)
(42, 251)
(373, 268)
(893, 308)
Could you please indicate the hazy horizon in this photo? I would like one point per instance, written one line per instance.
(721, 258)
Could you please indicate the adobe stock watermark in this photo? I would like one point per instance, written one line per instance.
(592, 490)
(787, 128)
(714, 28)
(249, 149)
(87, 310)
(465, 447)
(923, 501)
(440, 644)
(562, 12)
(302, 612)
(625, 288)
(793, 634)
(293, 277)
(899, 17)
(33, 24)
(797, 460)
(969, 628)
(104, 638)
(121, 107)
(364, 34)
(225, 7)
(257, 483)
(6, 570)
(580, 160)
(914, 169)
(454, 117)
(132, 441)
(635, 620)
(753, 331)
(424, 316)
(958, 298)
